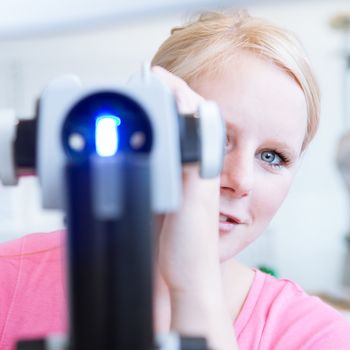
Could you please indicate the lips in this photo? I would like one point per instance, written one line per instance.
(228, 223)
(229, 218)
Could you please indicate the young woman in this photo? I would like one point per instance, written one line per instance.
(260, 78)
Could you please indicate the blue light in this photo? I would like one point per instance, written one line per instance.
(106, 135)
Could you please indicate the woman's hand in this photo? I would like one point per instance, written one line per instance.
(188, 243)
(188, 255)
(187, 100)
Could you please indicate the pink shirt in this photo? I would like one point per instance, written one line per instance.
(277, 314)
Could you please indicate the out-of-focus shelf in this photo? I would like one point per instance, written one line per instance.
(342, 304)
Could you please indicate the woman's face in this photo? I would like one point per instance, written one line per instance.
(266, 120)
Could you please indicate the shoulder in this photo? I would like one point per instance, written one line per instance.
(294, 312)
(30, 250)
(30, 279)
(27, 242)
(286, 317)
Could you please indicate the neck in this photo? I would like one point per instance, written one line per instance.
(237, 280)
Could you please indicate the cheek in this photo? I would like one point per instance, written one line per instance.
(267, 195)
(267, 199)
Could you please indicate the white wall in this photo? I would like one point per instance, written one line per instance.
(21, 18)
(305, 240)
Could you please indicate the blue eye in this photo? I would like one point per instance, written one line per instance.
(271, 157)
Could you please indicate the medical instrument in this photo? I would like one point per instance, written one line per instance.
(111, 158)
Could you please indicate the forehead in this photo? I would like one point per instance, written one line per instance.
(257, 97)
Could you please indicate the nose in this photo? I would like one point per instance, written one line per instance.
(237, 176)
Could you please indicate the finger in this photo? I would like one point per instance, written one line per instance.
(187, 100)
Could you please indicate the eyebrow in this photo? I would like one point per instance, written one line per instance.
(283, 147)
(280, 145)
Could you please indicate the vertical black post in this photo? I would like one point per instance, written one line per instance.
(86, 245)
(131, 261)
(110, 258)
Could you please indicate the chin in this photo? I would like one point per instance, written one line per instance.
(231, 244)
(228, 248)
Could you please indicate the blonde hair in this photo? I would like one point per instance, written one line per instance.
(209, 42)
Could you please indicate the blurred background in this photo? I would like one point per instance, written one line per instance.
(306, 240)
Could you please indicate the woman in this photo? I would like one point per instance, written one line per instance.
(261, 80)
